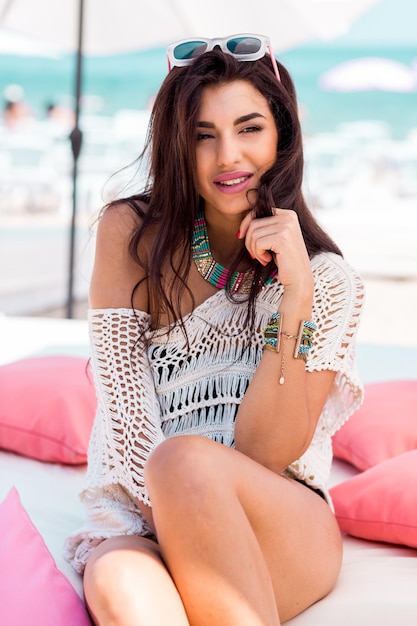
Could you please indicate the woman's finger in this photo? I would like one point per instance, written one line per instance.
(244, 225)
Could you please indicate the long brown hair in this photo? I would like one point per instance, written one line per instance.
(171, 193)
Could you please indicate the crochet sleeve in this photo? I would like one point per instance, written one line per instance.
(125, 431)
(337, 309)
(127, 426)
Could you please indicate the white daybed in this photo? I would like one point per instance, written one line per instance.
(378, 582)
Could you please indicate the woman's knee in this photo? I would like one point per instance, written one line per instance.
(178, 458)
(182, 464)
(115, 572)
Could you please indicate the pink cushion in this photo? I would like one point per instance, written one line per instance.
(381, 503)
(47, 407)
(384, 426)
(33, 590)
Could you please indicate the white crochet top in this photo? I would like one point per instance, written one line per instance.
(169, 388)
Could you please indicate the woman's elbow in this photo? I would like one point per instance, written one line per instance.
(272, 454)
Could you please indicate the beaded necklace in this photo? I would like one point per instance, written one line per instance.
(214, 272)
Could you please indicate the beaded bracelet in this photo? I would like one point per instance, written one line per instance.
(272, 332)
(304, 340)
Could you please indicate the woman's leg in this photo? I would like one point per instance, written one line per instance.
(127, 584)
(245, 546)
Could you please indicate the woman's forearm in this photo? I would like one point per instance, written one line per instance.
(274, 424)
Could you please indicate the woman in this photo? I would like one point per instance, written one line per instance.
(223, 323)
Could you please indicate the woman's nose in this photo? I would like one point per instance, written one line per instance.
(228, 152)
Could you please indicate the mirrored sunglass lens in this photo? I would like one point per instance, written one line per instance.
(244, 45)
(189, 50)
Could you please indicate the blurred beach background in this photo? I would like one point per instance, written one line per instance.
(358, 105)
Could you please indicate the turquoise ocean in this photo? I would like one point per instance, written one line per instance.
(130, 81)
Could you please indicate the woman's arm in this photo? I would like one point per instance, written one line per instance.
(127, 426)
(276, 422)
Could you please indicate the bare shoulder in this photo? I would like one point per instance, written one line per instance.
(115, 272)
(119, 221)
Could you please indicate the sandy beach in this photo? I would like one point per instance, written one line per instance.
(389, 313)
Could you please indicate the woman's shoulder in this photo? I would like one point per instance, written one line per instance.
(122, 216)
(116, 271)
(121, 222)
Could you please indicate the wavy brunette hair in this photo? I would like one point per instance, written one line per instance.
(171, 195)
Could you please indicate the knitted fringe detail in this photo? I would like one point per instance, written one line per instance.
(215, 422)
(212, 391)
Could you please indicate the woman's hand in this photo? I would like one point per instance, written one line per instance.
(279, 238)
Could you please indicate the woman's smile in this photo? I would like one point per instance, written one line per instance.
(233, 182)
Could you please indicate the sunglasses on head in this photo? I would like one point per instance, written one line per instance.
(244, 47)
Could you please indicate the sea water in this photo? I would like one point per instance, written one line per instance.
(130, 81)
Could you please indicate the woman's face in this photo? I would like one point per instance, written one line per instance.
(236, 143)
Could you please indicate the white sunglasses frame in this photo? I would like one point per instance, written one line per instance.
(222, 43)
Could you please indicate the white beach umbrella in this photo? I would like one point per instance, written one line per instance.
(109, 27)
(126, 25)
(21, 45)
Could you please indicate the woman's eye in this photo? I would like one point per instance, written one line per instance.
(203, 136)
(251, 129)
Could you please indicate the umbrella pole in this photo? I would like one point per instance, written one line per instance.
(76, 143)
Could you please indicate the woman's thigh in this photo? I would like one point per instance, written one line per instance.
(295, 528)
(125, 581)
(298, 535)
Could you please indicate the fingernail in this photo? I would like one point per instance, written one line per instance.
(238, 234)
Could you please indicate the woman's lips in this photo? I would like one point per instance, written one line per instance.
(233, 182)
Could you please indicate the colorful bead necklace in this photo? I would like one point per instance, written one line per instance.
(214, 272)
